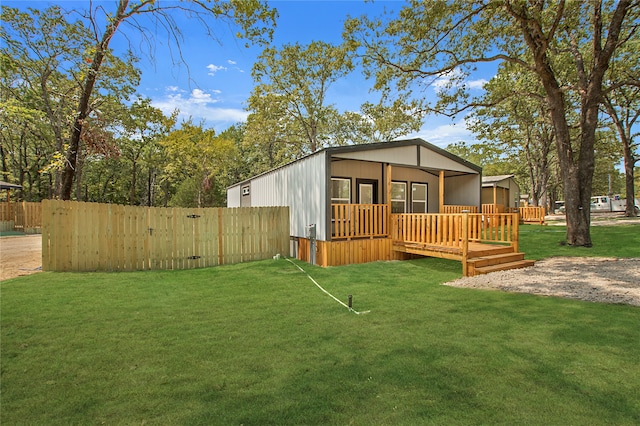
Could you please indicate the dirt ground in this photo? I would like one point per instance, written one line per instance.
(20, 255)
(607, 280)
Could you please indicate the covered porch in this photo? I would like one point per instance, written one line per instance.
(481, 242)
(363, 232)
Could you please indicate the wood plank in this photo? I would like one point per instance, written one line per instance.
(46, 234)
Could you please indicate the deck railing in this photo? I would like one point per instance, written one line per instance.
(359, 220)
(493, 208)
(455, 230)
(450, 229)
(532, 214)
(452, 208)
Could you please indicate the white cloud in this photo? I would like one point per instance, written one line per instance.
(477, 84)
(213, 69)
(455, 76)
(444, 79)
(172, 88)
(201, 97)
(230, 62)
(199, 105)
(446, 134)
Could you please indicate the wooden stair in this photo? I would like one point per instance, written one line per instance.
(505, 260)
(481, 258)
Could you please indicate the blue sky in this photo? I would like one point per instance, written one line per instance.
(215, 86)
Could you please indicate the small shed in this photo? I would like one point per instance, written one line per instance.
(8, 186)
(501, 191)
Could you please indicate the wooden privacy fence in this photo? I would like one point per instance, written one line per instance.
(24, 216)
(80, 236)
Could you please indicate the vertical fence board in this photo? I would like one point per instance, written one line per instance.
(46, 229)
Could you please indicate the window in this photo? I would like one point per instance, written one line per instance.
(398, 197)
(340, 191)
(418, 197)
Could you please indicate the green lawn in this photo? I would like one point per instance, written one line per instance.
(259, 343)
(539, 242)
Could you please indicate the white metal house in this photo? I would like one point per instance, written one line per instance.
(384, 201)
(422, 179)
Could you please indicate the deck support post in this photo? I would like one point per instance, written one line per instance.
(465, 243)
(516, 231)
(441, 192)
(388, 218)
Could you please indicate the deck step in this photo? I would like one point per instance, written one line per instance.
(489, 251)
(503, 267)
(494, 259)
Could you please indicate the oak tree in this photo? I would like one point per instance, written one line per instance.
(568, 46)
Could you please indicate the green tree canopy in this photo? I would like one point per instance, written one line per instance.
(567, 46)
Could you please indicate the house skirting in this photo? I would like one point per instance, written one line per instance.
(336, 253)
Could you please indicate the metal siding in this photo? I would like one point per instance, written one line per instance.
(419, 176)
(358, 170)
(233, 196)
(434, 160)
(403, 155)
(462, 190)
(300, 186)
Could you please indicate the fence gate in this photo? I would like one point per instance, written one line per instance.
(182, 238)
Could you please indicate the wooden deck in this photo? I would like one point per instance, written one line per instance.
(482, 242)
(481, 258)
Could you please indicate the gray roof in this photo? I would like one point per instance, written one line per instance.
(374, 146)
(7, 185)
(489, 180)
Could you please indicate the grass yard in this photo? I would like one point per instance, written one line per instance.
(539, 242)
(259, 343)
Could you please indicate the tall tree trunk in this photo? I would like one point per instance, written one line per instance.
(629, 178)
(150, 185)
(134, 174)
(577, 174)
(79, 170)
(83, 110)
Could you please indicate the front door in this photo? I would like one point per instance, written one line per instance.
(418, 197)
(365, 191)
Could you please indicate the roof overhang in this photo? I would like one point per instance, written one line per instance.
(7, 185)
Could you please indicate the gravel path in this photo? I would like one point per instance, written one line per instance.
(594, 279)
